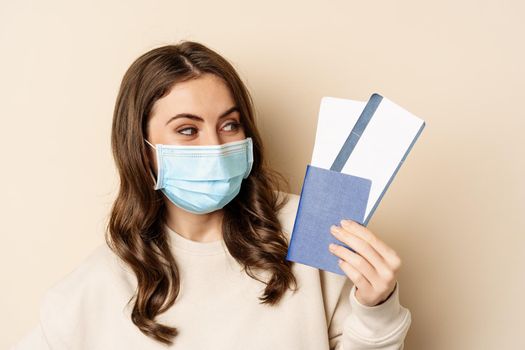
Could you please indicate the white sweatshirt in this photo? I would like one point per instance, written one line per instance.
(217, 308)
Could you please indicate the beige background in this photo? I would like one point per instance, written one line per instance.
(455, 212)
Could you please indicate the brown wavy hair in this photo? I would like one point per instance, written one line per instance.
(135, 233)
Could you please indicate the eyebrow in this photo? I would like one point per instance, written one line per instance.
(196, 117)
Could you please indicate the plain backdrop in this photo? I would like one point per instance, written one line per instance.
(454, 213)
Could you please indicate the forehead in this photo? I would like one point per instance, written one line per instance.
(207, 96)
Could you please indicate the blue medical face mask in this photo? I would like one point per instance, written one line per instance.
(202, 179)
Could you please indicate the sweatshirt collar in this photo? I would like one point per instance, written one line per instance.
(182, 243)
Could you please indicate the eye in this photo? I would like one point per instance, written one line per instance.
(182, 133)
(235, 125)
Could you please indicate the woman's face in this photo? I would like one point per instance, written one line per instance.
(198, 111)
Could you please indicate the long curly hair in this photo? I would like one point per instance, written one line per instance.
(135, 232)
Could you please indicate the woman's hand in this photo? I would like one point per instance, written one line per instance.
(373, 270)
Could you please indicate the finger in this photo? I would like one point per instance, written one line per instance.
(357, 262)
(363, 248)
(357, 277)
(388, 254)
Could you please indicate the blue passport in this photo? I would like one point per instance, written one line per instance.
(327, 196)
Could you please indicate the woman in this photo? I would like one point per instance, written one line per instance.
(198, 234)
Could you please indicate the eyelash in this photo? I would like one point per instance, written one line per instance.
(235, 124)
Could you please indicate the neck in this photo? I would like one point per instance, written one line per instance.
(195, 227)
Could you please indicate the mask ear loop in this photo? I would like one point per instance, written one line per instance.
(151, 172)
(150, 144)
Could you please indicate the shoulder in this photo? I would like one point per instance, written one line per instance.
(98, 283)
(100, 266)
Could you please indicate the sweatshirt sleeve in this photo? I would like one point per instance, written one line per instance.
(68, 303)
(56, 322)
(355, 326)
(32, 340)
(55, 318)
